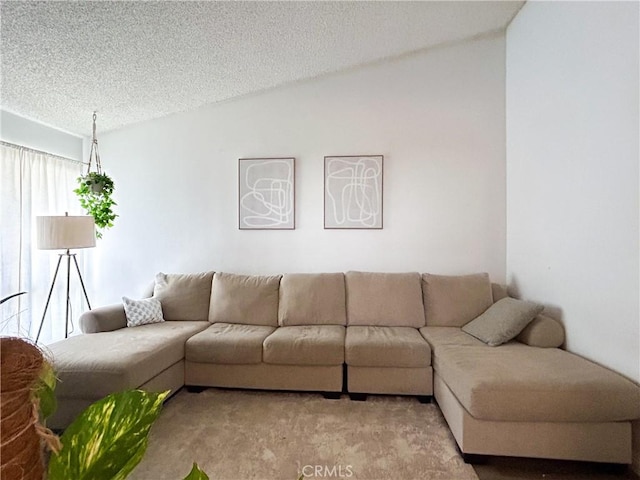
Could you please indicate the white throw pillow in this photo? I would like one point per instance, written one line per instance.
(142, 312)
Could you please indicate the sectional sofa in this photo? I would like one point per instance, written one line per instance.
(362, 333)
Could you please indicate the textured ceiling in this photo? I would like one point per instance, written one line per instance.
(132, 61)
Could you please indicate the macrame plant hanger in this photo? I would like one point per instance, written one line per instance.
(94, 154)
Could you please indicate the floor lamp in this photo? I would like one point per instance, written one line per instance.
(65, 233)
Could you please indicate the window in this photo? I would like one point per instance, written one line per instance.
(34, 183)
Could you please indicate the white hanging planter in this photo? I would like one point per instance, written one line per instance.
(97, 187)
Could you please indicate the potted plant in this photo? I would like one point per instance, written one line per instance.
(94, 192)
(95, 189)
(105, 442)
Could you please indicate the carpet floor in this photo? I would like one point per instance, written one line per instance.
(243, 435)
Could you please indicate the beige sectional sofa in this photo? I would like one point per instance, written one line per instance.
(362, 333)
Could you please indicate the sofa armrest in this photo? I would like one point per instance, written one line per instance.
(103, 319)
(543, 331)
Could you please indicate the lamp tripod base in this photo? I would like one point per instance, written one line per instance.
(53, 283)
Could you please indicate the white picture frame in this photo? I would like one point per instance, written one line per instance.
(266, 193)
(353, 192)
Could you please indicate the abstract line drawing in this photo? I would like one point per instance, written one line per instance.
(353, 191)
(266, 193)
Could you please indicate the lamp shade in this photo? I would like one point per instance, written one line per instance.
(65, 232)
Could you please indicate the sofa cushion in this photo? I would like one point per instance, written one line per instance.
(94, 365)
(453, 301)
(312, 299)
(384, 299)
(142, 312)
(502, 321)
(371, 346)
(519, 383)
(439, 336)
(543, 332)
(245, 299)
(305, 345)
(228, 343)
(184, 296)
(498, 291)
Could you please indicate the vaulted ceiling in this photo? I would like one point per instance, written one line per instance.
(136, 60)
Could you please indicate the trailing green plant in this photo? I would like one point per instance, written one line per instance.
(105, 442)
(108, 439)
(94, 192)
(196, 474)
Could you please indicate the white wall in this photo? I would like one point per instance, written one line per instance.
(572, 172)
(437, 117)
(28, 133)
(573, 236)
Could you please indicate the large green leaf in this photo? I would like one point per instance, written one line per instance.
(108, 439)
(196, 474)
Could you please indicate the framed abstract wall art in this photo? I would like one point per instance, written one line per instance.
(353, 191)
(266, 197)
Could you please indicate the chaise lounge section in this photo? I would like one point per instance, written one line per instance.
(526, 397)
(89, 367)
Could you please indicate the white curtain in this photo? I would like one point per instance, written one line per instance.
(34, 183)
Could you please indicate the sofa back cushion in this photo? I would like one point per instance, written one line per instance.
(184, 296)
(244, 299)
(384, 299)
(499, 291)
(312, 299)
(453, 301)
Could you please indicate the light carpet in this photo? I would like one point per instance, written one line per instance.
(242, 435)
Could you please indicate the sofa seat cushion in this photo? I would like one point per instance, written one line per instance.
(228, 343)
(441, 336)
(305, 345)
(94, 365)
(384, 299)
(386, 347)
(519, 383)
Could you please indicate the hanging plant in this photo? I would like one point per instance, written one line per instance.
(95, 189)
(94, 192)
